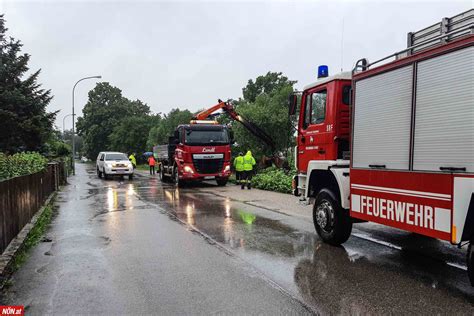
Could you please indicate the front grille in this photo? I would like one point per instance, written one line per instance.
(207, 166)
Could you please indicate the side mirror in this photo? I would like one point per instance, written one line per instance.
(231, 136)
(176, 141)
(292, 104)
(101, 159)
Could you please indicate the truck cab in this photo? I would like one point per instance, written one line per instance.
(324, 121)
(197, 152)
(322, 150)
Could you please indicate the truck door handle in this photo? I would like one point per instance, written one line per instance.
(452, 169)
(301, 152)
(377, 166)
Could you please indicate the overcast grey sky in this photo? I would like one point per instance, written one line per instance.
(187, 54)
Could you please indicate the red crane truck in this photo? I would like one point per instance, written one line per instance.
(197, 151)
(393, 141)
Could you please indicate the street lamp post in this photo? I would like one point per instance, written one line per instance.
(73, 133)
(63, 121)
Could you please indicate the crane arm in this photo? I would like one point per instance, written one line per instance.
(228, 108)
(206, 113)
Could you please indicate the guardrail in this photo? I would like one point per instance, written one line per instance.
(21, 197)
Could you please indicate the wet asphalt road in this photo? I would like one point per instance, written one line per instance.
(140, 247)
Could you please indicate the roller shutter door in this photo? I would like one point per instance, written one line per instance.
(382, 120)
(444, 121)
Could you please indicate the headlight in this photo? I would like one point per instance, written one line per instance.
(227, 168)
(108, 165)
(188, 169)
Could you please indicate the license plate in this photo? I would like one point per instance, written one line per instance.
(209, 177)
(120, 171)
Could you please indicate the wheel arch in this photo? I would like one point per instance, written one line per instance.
(324, 180)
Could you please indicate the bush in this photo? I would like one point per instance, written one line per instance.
(273, 179)
(21, 164)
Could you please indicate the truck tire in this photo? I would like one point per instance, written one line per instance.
(163, 178)
(221, 182)
(177, 181)
(331, 221)
(470, 262)
(130, 176)
(99, 174)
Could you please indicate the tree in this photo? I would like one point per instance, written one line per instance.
(159, 134)
(265, 104)
(78, 143)
(26, 125)
(103, 112)
(268, 84)
(131, 135)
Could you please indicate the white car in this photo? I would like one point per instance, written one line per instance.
(113, 164)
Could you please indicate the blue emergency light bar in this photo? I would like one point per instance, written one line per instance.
(323, 71)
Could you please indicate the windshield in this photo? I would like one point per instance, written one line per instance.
(203, 137)
(115, 157)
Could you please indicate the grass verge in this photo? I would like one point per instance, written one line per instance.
(34, 236)
(143, 167)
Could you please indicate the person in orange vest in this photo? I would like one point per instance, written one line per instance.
(151, 163)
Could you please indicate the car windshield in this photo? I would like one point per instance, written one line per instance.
(205, 137)
(115, 157)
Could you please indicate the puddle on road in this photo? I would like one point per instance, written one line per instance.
(359, 278)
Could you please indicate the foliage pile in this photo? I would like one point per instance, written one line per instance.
(26, 126)
(21, 164)
(273, 179)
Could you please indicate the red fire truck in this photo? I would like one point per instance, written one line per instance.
(393, 141)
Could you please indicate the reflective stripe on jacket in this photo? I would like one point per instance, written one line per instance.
(239, 163)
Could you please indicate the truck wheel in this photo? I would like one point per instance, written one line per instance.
(179, 183)
(99, 174)
(221, 182)
(130, 176)
(331, 221)
(470, 262)
(162, 175)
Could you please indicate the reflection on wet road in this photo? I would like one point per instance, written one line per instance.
(361, 277)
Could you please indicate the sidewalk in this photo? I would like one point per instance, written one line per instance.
(275, 201)
(269, 200)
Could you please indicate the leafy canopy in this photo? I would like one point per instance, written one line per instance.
(103, 114)
(265, 104)
(159, 133)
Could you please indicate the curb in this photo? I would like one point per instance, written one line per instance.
(17, 243)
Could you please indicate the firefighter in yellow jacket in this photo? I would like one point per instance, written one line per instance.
(249, 162)
(239, 167)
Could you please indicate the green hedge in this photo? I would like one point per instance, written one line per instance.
(21, 164)
(273, 179)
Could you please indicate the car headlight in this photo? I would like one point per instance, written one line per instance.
(188, 169)
(108, 165)
(227, 168)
